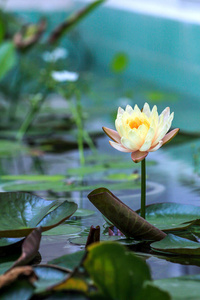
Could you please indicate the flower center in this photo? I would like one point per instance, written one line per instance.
(135, 123)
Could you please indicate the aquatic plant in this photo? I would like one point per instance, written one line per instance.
(140, 132)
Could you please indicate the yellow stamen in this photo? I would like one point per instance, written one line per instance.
(135, 123)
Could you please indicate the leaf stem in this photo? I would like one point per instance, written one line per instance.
(143, 188)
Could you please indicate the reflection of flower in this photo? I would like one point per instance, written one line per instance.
(141, 132)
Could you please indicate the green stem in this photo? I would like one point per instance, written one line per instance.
(35, 107)
(143, 188)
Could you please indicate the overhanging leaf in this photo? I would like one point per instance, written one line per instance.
(30, 248)
(125, 273)
(176, 245)
(123, 217)
(21, 212)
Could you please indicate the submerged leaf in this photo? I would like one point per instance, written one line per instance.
(123, 217)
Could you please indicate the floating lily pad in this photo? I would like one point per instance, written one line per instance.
(63, 230)
(49, 178)
(172, 216)
(83, 239)
(176, 245)
(47, 277)
(20, 289)
(83, 213)
(123, 176)
(62, 186)
(69, 261)
(21, 212)
(181, 288)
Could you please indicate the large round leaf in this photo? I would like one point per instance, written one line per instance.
(176, 245)
(21, 212)
(181, 288)
(172, 216)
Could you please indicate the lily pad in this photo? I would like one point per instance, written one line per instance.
(176, 245)
(22, 212)
(49, 178)
(20, 289)
(172, 216)
(63, 230)
(63, 186)
(123, 217)
(69, 261)
(181, 288)
(48, 276)
(122, 240)
(83, 213)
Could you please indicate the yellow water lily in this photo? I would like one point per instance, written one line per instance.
(141, 131)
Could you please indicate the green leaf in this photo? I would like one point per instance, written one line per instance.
(21, 212)
(83, 213)
(47, 277)
(120, 62)
(152, 292)
(63, 230)
(69, 261)
(62, 186)
(181, 288)
(49, 178)
(20, 289)
(83, 239)
(175, 244)
(7, 58)
(11, 148)
(123, 217)
(172, 216)
(125, 273)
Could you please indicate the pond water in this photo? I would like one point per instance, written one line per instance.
(172, 171)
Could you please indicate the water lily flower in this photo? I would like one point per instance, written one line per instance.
(141, 131)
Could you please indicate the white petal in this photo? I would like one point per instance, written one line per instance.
(137, 110)
(148, 140)
(160, 143)
(119, 147)
(120, 112)
(146, 110)
(129, 144)
(129, 109)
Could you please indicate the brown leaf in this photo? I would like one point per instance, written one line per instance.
(17, 273)
(93, 236)
(73, 20)
(22, 43)
(123, 217)
(30, 248)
